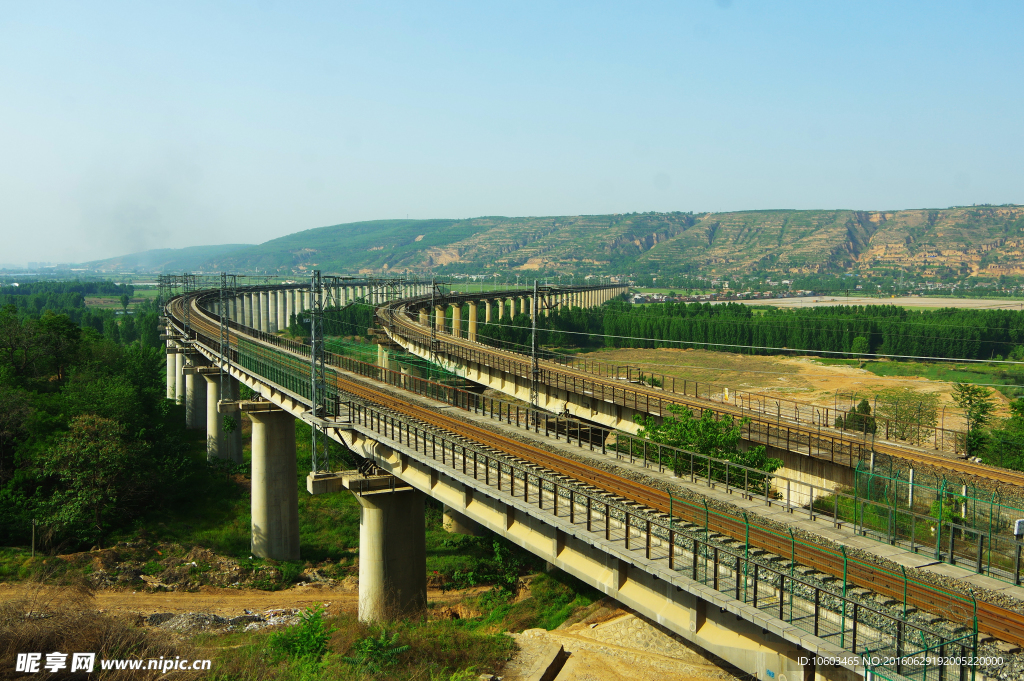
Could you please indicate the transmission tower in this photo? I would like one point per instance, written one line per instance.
(228, 282)
(188, 284)
(534, 368)
(318, 381)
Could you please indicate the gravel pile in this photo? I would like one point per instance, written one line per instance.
(194, 622)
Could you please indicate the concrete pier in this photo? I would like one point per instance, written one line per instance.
(179, 378)
(275, 498)
(282, 320)
(170, 371)
(271, 312)
(264, 311)
(392, 554)
(231, 442)
(195, 397)
(215, 445)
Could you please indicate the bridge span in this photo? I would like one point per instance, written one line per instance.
(733, 590)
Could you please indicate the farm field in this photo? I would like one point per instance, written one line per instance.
(812, 380)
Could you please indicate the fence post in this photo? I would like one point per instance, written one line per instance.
(842, 626)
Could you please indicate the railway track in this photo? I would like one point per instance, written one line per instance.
(569, 376)
(1000, 622)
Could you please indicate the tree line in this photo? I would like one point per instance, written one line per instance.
(883, 330)
(88, 440)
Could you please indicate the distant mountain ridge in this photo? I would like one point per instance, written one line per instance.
(164, 260)
(986, 240)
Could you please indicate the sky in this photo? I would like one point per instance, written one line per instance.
(131, 126)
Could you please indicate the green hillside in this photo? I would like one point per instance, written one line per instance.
(953, 242)
(161, 260)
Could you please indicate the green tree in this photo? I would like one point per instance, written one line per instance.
(125, 299)
(860, 346)
(977, 404)
(93, 467)
(859, 419)
(712, 436)
(907, 414)
(1006, 443)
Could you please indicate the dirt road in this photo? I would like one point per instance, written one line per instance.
(217, 601)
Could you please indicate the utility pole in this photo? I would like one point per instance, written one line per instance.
(224, 348)
(535, 370)
(318, 383)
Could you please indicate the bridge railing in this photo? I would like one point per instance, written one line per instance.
(990, 548)
(283, 362)
(691, 546)
(757, 405)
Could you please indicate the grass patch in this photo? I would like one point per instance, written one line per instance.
(553, 598)
(436, 650)
(954, 373)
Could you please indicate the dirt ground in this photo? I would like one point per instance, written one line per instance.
(219, 601)
(802, 379)
(609, 643)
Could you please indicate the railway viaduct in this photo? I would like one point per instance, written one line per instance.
(737, 597)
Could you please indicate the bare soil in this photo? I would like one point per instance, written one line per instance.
(802, 379)
(218, 600)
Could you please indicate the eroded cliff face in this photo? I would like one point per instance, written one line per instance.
(986, 239)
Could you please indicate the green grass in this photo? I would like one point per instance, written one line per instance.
(437, 649)
(942, 371)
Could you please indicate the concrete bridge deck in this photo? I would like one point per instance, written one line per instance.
(634, 579)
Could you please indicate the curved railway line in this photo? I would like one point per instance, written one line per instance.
(993, 619)
(559, 376)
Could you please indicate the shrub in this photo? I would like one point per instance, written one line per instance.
(305, 640)
(375, 654)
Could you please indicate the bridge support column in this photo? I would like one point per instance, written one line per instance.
(170, 371)
(439, 318)
(275, 497)
(472, 321)
(232, 441)
(271, 311)
(522, 305)
(282, 320)
(195, 398)
(487, 311)
(179, 378)
(457, 320)
(215, 448)
(457, 523)
(289, 307)
(424, 317)
(392, 554)
(501, 302)
(265, 311)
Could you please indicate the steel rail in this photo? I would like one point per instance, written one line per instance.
(395, 313)
(1006, 624)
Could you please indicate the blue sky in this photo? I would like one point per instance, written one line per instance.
(128, 126)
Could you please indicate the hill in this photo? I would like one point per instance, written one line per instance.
(162, 260)
(952, 242)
